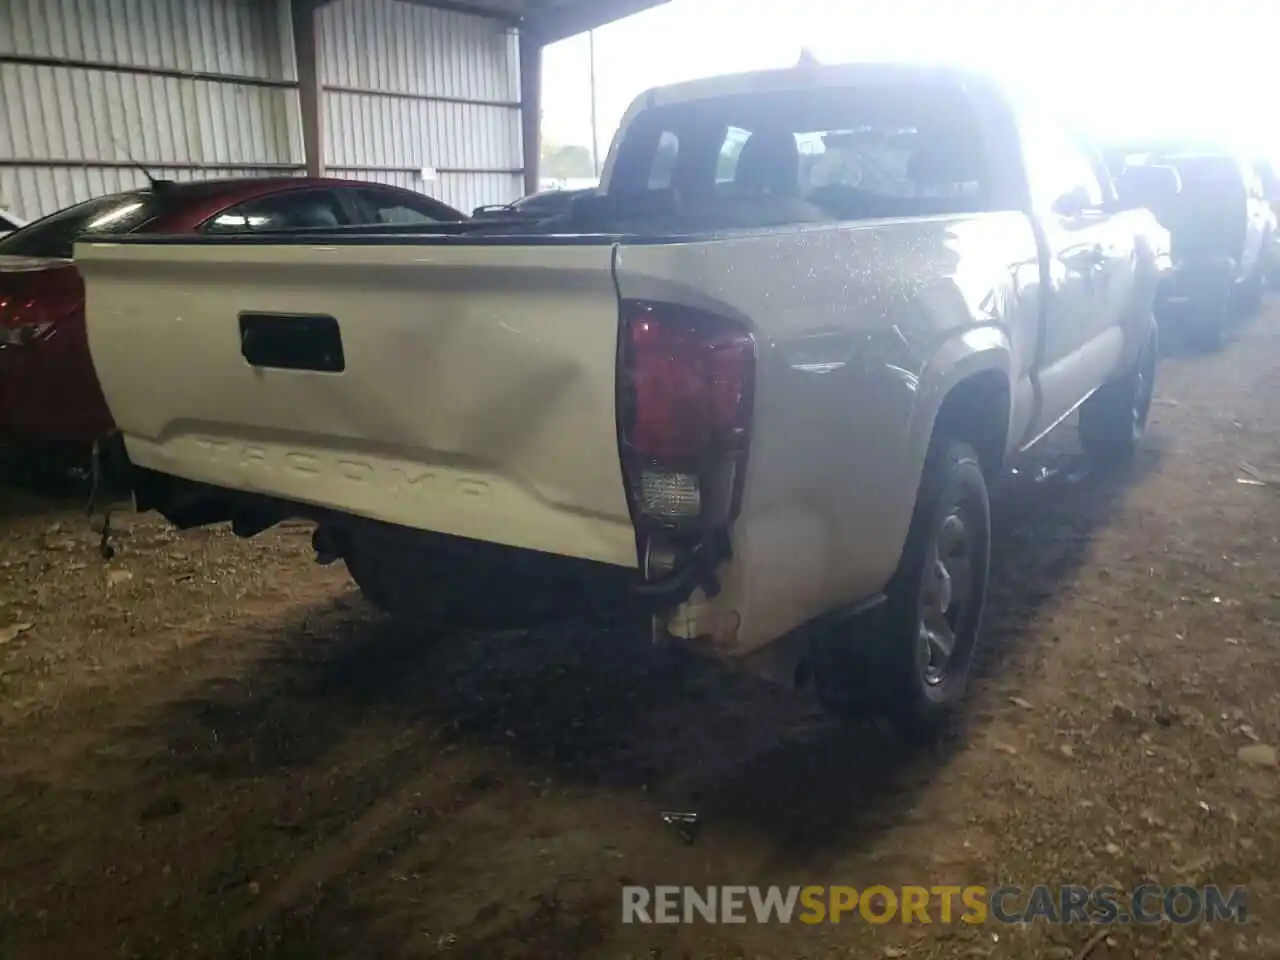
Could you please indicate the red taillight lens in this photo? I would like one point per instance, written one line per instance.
(685, 391)
(690, 382)
(33, 306)
(25, 320)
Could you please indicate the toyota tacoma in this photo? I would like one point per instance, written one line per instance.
(766, 374)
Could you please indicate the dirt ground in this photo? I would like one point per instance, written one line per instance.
(212, 747)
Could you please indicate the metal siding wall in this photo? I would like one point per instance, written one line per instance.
(404, 48)
(394, 55)
(218, 36)
(68, 120)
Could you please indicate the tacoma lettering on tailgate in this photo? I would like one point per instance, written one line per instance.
(401, 480)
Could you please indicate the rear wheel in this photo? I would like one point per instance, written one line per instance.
(1208, 314)
(1250, 293)
(371, 580)
(1113, 422)
(433, 587)
(915, 663)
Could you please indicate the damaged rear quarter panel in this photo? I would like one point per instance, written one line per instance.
(860, 329)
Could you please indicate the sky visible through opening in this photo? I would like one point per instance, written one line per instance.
(1117, 67)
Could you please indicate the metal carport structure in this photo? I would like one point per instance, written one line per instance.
(437, 95)
(538, 23)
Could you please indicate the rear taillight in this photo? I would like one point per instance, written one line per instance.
(685, 384)
(33, 311)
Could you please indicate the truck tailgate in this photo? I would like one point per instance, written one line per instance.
(472, 393)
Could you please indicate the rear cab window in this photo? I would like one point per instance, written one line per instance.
(804, 154)
(56, 234)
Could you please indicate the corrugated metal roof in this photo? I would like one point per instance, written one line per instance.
(551, 19)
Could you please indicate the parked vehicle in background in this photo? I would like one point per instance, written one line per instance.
(1222, 226)
(49, 394)
(1270, 180)
(543, 205)
(9, 222)
(774, 400)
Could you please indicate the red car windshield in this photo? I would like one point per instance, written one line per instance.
(56, 234)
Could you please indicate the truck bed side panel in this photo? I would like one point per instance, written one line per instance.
(477, 397)
(858, 327)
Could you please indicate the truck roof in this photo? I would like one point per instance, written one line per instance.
(806, 75)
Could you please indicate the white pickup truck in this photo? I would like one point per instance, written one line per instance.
(767, 373)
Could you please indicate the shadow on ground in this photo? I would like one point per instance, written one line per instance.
(383, 736)
(34, 483)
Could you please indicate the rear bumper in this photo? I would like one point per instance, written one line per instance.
(188, 504)
(574, 586)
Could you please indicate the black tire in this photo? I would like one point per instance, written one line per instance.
(1264, 269)
(46, 469)
(1113, 422)
(896, 668)
(1208, 315)
(1250, 293)
(425, 586)
(371, 581)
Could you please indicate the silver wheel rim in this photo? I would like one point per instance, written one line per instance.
(944, 594)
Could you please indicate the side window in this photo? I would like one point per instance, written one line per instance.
(727, 162)
(292, 210)
(1254, 183)
(664, 161)
(387, 207)
(1057, 166)
(1266, 180)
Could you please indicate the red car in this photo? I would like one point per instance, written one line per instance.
(49, 394)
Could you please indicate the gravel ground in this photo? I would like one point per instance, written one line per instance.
(212, 747)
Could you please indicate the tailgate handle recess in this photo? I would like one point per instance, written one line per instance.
(292, 341)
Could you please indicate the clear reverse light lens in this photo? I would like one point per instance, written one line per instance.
(670, 495)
